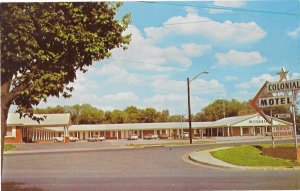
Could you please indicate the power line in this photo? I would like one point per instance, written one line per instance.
(228, 8)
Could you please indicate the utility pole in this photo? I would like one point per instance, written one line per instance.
(189, 103)
(189, 111)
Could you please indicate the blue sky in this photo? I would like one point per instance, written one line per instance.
(241, 45)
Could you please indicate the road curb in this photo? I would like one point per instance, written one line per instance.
(241, 167)
(207, 164)
(63, 151)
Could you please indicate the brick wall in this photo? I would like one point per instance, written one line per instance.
(17, 138)
(236, 131)
(283, 153)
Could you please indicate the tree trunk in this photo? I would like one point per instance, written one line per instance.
(6, 100)
(4, 114)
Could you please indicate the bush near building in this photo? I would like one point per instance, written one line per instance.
(8, 147)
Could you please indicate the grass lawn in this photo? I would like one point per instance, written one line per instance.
(8, 147)
(248, 155)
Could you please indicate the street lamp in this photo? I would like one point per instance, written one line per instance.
(189, 102)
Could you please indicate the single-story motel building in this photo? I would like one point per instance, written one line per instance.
(27, 130)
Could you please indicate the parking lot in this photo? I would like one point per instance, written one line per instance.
(84, 144)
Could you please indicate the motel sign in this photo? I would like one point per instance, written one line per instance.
(275, 101)
(283, 86)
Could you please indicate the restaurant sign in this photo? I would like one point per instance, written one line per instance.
(283, 131)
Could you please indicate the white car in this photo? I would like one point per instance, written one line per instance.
(96, 138)
(74, 139)
(133, 137)
(185, 135)
(100, 138)
(58, 139)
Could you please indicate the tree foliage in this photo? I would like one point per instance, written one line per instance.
(44, 44)
(86, 114)
(220, 109)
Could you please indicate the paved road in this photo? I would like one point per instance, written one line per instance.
(158, 168)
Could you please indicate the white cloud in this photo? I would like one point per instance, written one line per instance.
(229, 3)
(257, 81)
(231, 78)
(233, 57)
(226, 3)
(295, 76)
(242, 95)
(193, 49)
(177, 103)
(143, 54)
(198, 86)
(194, 24)
(127, 97)
(295, 33)
(115, 73)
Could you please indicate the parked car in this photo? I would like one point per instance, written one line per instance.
(133, 137)
(185, 135)
(92, 139)
(100, 138)
(96, 138)
(58, 139)
(150, 136)
(163, 136)
(73, 139)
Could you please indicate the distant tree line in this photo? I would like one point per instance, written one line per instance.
(87, 114)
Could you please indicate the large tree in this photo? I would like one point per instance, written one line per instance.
(44, 44)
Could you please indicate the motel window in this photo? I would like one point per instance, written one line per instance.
(8, 131)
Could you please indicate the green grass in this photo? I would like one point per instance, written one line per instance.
(8, 147)
(248, 155)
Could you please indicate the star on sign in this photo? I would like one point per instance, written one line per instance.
(282, 74)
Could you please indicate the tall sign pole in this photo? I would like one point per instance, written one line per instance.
(294, 116)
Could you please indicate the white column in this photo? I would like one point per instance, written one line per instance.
(254, 133)
(241, 131)
(228, 133)
(217, 131)
(211, 133)
(223, 131)
(117, 135)
(142, 134)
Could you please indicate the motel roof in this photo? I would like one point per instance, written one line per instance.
(244, 121)
(134, 126)
(51, 120)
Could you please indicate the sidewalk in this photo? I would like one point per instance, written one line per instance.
(204, 157)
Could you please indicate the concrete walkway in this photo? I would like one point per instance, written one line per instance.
(204, 157)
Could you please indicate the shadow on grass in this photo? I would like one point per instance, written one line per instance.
(17, 186)
(259, 147)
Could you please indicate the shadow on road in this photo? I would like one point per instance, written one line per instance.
(17, 186)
